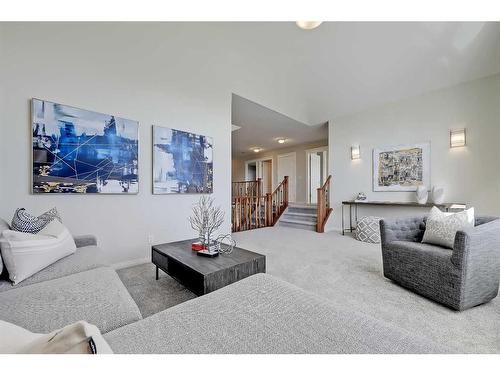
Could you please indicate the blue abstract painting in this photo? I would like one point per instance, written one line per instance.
(80, 151)
(182, 162)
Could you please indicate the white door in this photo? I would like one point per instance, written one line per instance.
(314, 176)
(267, 176)
(287, 167)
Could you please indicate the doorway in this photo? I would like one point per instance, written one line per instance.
(263, 169)
(287, 167)
(317, 170)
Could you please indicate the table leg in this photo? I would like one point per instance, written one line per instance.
(350, 218)
(342, 219)
(157, 275)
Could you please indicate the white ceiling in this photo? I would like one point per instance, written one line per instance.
(346, 67)
(257, 126)
(342, 68)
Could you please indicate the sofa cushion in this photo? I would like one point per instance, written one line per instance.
(97, 296)
(25, 254)
(83, 259)
(262, 314)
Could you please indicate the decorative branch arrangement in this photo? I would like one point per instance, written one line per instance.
(206, 219)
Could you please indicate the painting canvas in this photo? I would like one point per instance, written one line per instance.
(401, 168)
(182, 162)
(80, 152)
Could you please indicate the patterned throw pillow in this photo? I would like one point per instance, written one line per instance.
(368, 229)
(441, 227)
(27, 223)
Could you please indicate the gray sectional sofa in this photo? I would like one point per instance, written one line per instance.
(260, 314)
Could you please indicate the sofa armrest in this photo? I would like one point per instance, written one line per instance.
(478, 248)
(402, 229)
(85, 240)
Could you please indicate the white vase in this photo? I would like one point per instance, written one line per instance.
(422, 194)
(437, 194)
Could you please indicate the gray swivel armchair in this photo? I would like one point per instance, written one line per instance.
(460, 278)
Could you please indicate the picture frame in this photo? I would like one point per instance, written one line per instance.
(182, 162)
(401, 167)
(77, 151)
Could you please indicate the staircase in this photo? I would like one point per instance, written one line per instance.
(300, 216)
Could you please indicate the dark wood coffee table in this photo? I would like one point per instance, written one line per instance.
(203, 275)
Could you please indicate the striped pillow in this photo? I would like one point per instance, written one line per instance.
(27, 223)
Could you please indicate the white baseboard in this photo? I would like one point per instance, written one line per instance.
(130, 263)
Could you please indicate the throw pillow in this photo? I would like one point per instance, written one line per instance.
(441, 227)
(25, 222)
(77, 338)
(24, 254)
(3, 226)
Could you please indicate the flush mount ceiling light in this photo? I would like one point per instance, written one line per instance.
(256, 149)
(281, 140)
(308, 25)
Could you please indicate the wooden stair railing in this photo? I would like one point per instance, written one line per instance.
(278, 201)
(323, 206)
(254, 210)
(246, 188)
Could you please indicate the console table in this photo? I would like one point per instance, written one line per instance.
(355, 203)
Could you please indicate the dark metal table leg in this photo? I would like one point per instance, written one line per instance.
(342, 219)
(157, 275)
(350, 218)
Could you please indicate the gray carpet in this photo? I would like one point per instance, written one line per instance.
(349, 273)
(152, 295)
(345, 271)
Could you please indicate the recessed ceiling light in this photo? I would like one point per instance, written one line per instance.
(281, 140)
(308, 25)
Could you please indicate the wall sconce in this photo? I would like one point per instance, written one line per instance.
(457, 138)
(355, 153)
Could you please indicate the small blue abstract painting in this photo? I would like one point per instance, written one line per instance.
(80, 151)
(182, 162)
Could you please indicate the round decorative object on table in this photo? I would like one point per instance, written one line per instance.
(368, 229)
(437, 194)
(225, 244)
(422, 194)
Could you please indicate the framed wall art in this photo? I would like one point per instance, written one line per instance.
(76, 151)
(401, 168)
(182, 162)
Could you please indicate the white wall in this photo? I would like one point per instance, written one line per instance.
(470, 174)
(166, 74)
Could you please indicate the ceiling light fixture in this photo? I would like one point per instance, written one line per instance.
(308, 25)
(281, 140)
(256, 149)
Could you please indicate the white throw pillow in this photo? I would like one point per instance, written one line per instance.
(441, 227)
(24, 254)
(77, 338)
(3, 226)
